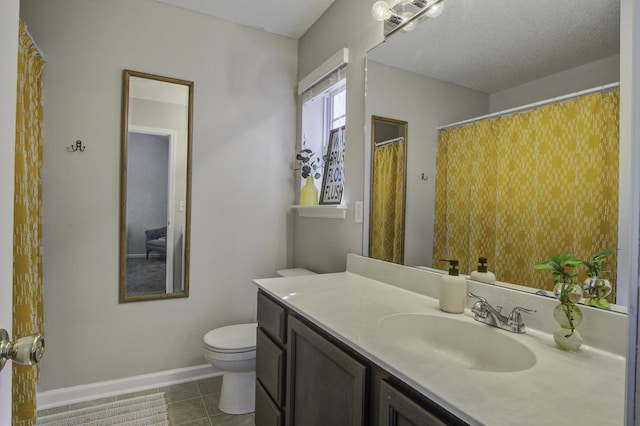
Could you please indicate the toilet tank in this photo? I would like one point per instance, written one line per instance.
(294, 272)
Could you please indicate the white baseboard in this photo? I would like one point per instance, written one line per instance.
(81, 393)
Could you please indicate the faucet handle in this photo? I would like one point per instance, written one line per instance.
(518, 309)
(515, 319)
(480, 298)
(480, 307)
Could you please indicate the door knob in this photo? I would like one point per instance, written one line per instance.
(27, 350)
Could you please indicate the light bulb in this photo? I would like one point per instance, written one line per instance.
(411, 25)
(380, 11)
(435, 10)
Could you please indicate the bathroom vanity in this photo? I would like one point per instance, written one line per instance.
(348, 349)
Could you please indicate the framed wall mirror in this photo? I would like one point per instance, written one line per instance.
(478, 59)
(155, 187)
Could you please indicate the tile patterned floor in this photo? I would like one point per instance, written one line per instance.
(190, 404)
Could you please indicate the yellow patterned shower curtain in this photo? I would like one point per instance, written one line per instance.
(27, 234)
(386, 235)
(522, 187)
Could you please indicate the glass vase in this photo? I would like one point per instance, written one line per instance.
(568, 293)
(568, 316)
(597, 290)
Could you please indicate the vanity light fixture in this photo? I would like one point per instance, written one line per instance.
(417, 3)
(405, 14)
(382, 11)
(410, 26)
(435, 10)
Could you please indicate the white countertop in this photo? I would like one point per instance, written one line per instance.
(577, 388)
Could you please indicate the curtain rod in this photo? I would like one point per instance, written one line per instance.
(557, 99)
(383, 143)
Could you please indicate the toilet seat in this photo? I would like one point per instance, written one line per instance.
(236, 338)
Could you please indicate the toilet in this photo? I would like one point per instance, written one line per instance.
(232, 349)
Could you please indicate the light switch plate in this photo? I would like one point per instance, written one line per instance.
(359, 207)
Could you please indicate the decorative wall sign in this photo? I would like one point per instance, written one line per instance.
(333, 178)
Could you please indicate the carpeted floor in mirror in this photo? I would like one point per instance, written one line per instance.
(146, 276)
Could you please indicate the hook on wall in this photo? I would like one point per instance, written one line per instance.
(424, 177)
(78, 147)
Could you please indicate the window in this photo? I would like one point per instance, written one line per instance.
(336, 108)
(323, 109)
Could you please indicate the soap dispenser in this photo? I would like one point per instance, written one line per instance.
(453, 289)
(482, 274)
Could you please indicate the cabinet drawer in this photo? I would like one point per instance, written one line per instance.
(396, 408)
(272, 318)
(270, 366)
(267, 413)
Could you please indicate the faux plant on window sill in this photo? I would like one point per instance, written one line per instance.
(310, 166)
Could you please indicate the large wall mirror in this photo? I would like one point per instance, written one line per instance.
(155, 187)
(480, 58)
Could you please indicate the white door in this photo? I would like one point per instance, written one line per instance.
(9, 14)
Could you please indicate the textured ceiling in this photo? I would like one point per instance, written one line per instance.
(491, 45)
(487, 45)
(290, 18)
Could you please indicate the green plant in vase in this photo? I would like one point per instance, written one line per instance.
(567, 314)
(596, 285)
(309, 166)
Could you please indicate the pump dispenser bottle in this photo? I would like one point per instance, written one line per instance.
(482, 274)
(453, 289)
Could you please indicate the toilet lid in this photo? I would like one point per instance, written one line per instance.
(232, 338)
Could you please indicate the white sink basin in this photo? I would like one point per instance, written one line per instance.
(422, 338)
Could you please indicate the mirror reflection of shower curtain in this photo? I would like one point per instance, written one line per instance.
(521, 187)
(386, 239)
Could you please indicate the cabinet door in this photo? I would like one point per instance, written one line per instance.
(396, 409)
(325, 385)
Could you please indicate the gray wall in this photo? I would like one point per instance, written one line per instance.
(322, 244)
(243, 139)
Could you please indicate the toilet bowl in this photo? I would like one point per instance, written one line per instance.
(232, 349)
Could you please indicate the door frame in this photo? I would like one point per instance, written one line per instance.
(9, 27)
(171, 189)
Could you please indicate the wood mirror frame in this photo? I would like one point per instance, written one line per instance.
(156, 129)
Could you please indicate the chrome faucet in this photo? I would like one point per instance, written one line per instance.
(484, 312)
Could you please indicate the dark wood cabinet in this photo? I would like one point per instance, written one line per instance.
(306, 377)
(267, 412)
(397, 409)
(270, 367)
(272, 318)
(325, 386)
(270, 362)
